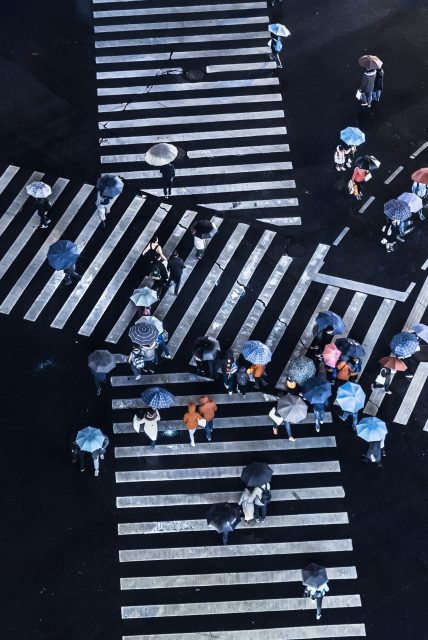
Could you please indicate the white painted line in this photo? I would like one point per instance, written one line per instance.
(242, 151)
(375, 329)
(366, 204)
(7, 176)
(96, 264)
(174, 500)
(157, 379)
(215, 170)
(249, 66)
(17, 203)
(231, 551)
(282, 222)
(152, 42)
(183, 120)
(418, 151)
(182, 401)
(425, 265)
(412, 394)
(252, 204)
(223, 188)
(198, 102)
(184, 24)
(286, 633)
(210, 473)
(181, 55)
(426, 426)
(187, 86)
(225, 579)
(352, 312)
(39, 259)
(341, 235)
(194, 135)
(393, 175)
(121, 274)
(363, 287)
(138, 73)
(123, 13)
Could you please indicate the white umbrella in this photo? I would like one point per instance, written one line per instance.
(39, 190)
(279, 30)
(152, 320)
(413, 201)
(161, 154)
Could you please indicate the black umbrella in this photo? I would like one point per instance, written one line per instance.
(223, 517)
(314, 575)
(205, 348)
(204, 229)
(350, 348)
(256, 474)
(368, 163)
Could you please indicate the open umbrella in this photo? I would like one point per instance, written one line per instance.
(204, 229)
(143, 333)
(109, 185)
(370, 62)
(256, 473)
(101, 361)
(160, 154)
(38, 189)
(279, 30)
(316, 390)
(223, 517)
(292, 408)
(331, 354)
(352, 136)
(62, 254)
(256, 352)
(390, 362)
(371, 429)
(350, 348)
(158, 398)
(314, 575)
(397, 210)
(206, 348)
(90, 439)
(144, 297)
(404, 344)
(350, 397)
(330, 319)
(421, 331)
(152, 320)
(300, 369)
(368, 163)
(421, 175)
(413, 201)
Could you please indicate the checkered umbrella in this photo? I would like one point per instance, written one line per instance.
(143, 333)
(397, 210)
(330, 319)
(158, 398)
(404, 344)
(300, 369)
(256, 352)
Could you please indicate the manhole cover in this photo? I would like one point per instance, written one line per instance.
(194, 75)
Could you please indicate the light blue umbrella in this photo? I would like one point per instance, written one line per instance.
(350, 397)
(90, 439)
(256, 352)
(144, 297)
(109, 185)
(421, 331)
(371, 429)
(158, 398)
(404, 344)
(62, 254)
(279, 30)
(413, 201)
(316, 390)
(352, 136)
(330, 319)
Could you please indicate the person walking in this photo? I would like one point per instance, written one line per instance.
(378, 85)
(374, 453)
(340, 158)
(77, 454)
(150, 356)
(159, 275)
(317, 593)
(150, 252)
(229, 369)
(367, 86)
(322, 337)
(258, 371)
(176, 267)
(161, 342)
(242, 379)
(261, 497)
(109, 187)
(137, 362)
(100, 378)
(345, 415)
(98, 455)
(207, 408)
(43, 206)
(246, 502)
(350, 154)
(276, 48)
(420, 190)
(383, 380)
(150, 425)
(279, 420)
(191, 420)
(168, 175)
(342, 372)
(319, 408)
(358, 177)
(103, 207)
(71, 274)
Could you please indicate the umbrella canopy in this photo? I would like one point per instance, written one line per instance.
(421, 331)
(158, 398)
(256, 352)
(350, 397)
(143, 333)
(144, 297)
(38, 189)
(368, 163)
(397, 210)
(161, 154)
(109, 185)
(152, 320)
(90, 439)
(371, 429)
(352, 136)
(62, 254)
(101, 361)
(393, 363)
(316, 390)
(314, 575)
(413, 201)
(300, 369)
(330, 319)
(256, 473)
(421, 175)
(404, 344)
(206, 348)
(279, 30)
(350, 348)
(292, 408)
(223, 517)
(370, 62)
(331, 354)
(204, 229)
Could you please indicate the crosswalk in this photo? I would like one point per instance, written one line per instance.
(169, 74)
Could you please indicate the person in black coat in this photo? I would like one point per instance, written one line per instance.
(168, 175)
(176, 267)
(378, 85)
(367, 86)
(43, 206)
(159, 276)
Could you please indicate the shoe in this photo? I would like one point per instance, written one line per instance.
(209, 438)
(409, 376)
(258, 520)
(262, 519)
(82, 470)
(98, 392)
(291, 439)
(400, 239)
(230, 392)
(409, 230)
(244, 395)
(43, 226)
(317, 428)
(249, 523)
(421, 216)
(137, 377)
(389, 393)
(342, 418)
(343, 168)
(275, 431)
(192, 444)
(383, 453)
(338, 169)
(102, 457)
(364, 104)
(97, 472)
(67, 281)
(169, 356)
(318, 616)
(321, 421)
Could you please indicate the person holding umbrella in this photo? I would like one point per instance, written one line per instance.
(399, 212)
(62, 256)
(100, 364)
(278, 30)
(201, 231)
(257, 476)
(41, 192)
(162, 155)
(317, 391)
(289, 409)
(414, 203)
(299, 370)
(370, 65)
(143, 299)
(378, 85)
(258, 355)
(151, 253)
(224, 518)
(109, 187)
(373, 431)
(94, 442)
(150, 425)
(350, 398)
(168, 175)
(205, 352)
(314, 578)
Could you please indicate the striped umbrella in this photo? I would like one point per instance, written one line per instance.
(143, 333)
(158, 398)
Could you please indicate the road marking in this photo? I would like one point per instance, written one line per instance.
(426, 426)
(286, 633)
(18, 203)
(418, 151)
(242, 151)
(182, 401)
(122, 13)
(188, 86)
(196, 102)
(393, 175)
(425, 265)
(366, 204)
(375, 329)
(181, 55)
(351, 313)
(341, 235)
(252, 204)
(248, 66)
(183, 120)
(363, 287)
(7, 176)
(282, 222)
(184, 24)
(157, 378)
(138, 73)
(196, 135)
(154, 42)
(224, 188)
(215, 170)
(412, 394)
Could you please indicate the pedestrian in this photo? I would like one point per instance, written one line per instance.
(228, 370)
(420, 190)
(77, 454)
(366, 87)
(98, 455)
(258, 371)
(151, 251)
(100, 377)
(150, 356)
(150, 425)
(322, 337)
(350, 154)
(276, 48)
(161, 342)
(43, 206)
(242, 379)
(103, 207)
(137, 362)
(279, 420)
(261, 497)
(340, 158)
(159, 275)
(246, 502)
(109, 187)
(319, 408)
(71, 274)
(176, 267)
(378, 85)
(168, 175)
(207, 408)
(358, 177)
(345, 415)
(383, 380)
(342, 371)
(390, 234)
(374, 453)
(317, 593)
(192, 419)
(206, 353)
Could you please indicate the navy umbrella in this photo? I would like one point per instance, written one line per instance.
(350, 348)
(330, 319)
(62, 254)
(404, 344)
(316, 390)
(143, 333)
(223, 517)
(314, 575)
(256, 473)
(109, 186)
(397, 210)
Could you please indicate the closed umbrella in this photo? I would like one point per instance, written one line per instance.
(313, 575)
(38, 189)
(143, 333)
(158, 398)
(330, 319)
(421, 175)
(371, 429)
(331, 354)
(404, 344)
(413, 201)
(101, 361)
(368, 163)
(256, 352)
(256, 473)
(352, 136)
(90, 439)
(397, 210)
(390, 362)
(204, 229)
(109, 185)
(161, 154)
(317, 390)
(370, 62)
(421, 331)
(350, 348)
(350, 397)
(279, 30)
(300, 369)
(62, 254)
(144, 297)
(292, 408)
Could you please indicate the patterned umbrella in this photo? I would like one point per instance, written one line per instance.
(404, 344)
(330, 319)
(300, 369)
(352, 136)
(144, 297)
(331, 354)
(90, 439)
(160, 154)
(158, 398)
(316, 390)
(421, 176)
(413, 201)
(109, 186)
(38, 190)
(368, 163)
(292, 408)
(370, 62)
(101, 361)
(397, 210)
(371, 429)
(421, 331)
(350, 397)
(143, 333)
(350, 348)
(393, 363)
(62, 254)
(256, 352)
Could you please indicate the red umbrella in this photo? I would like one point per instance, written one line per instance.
(421, 175)
(393, 363)
(331, 355)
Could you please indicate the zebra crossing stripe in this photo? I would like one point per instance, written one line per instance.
(254, 204)
(160, 475)
(18, 203)
(199, 102)
(371, 289)
(183, 401)
(327, 631)
(27, 276)
(183, 120)
(412, 394)
(225, 579)
(242, 151)
(7, 176)
(127, 264)
(196, 135)
(187, 86)
(156, 41)
(215, 170)
(282, 222)
(375, 330)
(181, 55)
(221, 188)
(247, 66)
(96, 264)
(138, 73)
(173, 500)
(233, 551)
(157, 378)
(184, 24)
(352, 312)
(123, 13)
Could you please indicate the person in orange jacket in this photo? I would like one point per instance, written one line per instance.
(258, 371)
(191, 420)
(207, 408)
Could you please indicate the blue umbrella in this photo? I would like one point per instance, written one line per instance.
(143, 333)
(397, 210)
(350, 348)
(421, 330)
(279, 30)
(256, 352)
(158, 398)
(109, 186)
(414, 202)
(371, 429)
(404, 344)
(90, 439)
(352, 136)
(316, 390)
(330, 319)
(62, 254)
(350, 397)
(300, 369)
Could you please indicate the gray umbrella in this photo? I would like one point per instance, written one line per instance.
(292, 408)
(300, 369)
(101, 361)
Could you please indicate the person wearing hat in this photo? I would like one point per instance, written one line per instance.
(150, 425)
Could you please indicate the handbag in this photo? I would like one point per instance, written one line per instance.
(266, 496)
(359, 94)
(202, 422)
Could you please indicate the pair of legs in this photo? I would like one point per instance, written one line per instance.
(99, 379)
(287, 426)
(164, 348)
(242, 388)
(44, 220)
(209, 427)
(260, 511)
(192, 436)
(367, 99)
(70, 275)
(176, 283)
(340, 167)
(260, 381)
(345, 415)
(229, 383)
(167, 186)
(319, 419)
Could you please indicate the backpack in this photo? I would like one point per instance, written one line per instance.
(266, 496)
(156, 273)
